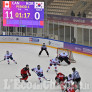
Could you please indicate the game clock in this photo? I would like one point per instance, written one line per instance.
(23, 14)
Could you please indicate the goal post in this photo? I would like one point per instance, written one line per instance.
(68, 51)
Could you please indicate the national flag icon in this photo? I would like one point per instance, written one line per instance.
(39, 5)
(41, 23)
(6, 4)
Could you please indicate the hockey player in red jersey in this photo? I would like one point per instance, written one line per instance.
(25, 73)
(60, 78)
(70, 89)
(67, 86)
(70, 86)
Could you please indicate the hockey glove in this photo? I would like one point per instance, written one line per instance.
(55, 64)
(59, 61)
(39, 74)
(29, 74)
(4, 58)
(32, 69)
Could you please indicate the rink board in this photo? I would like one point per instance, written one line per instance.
(80, 49)
(31, 40)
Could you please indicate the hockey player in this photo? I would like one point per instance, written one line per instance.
(76, 77)
(8, 56)
(43, 48)
(70, 89)
(25, 73)
(68, 85)
(39, 73)
(54, 62)
(60, 78)
(70, 77)
(64, 56)
(70, 81)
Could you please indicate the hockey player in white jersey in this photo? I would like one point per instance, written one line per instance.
(70, 81)
(68, 85)
(39, 73)
(70, 77)
(8, 56)
(54, 62)
(64, 56)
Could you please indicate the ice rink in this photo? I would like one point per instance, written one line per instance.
(28, 54)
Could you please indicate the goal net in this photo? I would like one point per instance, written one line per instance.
(69, 52)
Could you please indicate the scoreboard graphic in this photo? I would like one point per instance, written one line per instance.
(23, 14)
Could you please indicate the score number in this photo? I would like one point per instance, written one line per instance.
(37, 14)
(20, 15)
(7, 15)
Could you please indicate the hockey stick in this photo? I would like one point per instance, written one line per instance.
(18, 76)
(45, 78)
(64, 65)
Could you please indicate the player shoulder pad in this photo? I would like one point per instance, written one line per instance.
(60, 74)
(25, 69)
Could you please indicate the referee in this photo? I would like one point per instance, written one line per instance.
(76, 77)
(44, 48)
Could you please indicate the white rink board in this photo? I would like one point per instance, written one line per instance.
(48, 42)
(13, 39)
(52, 43)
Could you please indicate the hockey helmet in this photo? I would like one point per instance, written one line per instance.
(27, 66)
(7, 52)
(38, 66)
(73, 68)
(70, 75)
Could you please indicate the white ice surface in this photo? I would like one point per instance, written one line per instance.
(28, 54)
